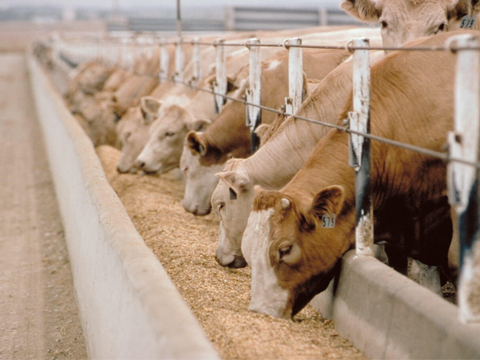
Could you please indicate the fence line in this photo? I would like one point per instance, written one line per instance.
(359, 133)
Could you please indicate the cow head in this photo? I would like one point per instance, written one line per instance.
(133, 132)
(164, 147)
(232, 201)
(293, 248)
(405, 20)
(200, 181)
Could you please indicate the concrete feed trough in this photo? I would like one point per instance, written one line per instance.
(128, 306)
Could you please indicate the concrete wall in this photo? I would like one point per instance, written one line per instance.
(388, 316)
(128, 306)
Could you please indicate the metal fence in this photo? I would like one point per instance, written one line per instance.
(461, 156)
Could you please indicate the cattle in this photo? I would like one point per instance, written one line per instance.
(133, 132)
(293, 254)
(229, 137)
(405, 20)
(277, 161)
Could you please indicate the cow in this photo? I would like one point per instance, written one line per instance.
(286, 149)
(133, 129)
(295, 236)
(405, 20)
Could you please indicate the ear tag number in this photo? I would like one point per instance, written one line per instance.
(467, 22)
(327, 221)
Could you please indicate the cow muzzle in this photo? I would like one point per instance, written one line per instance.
(231, 261)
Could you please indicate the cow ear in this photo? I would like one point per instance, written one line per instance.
(237, 181)
(150, 107)
(231, 85)
(364, 10)
(328, 202)
(458, 9)
(286, 252)
(199, 125)
(196, 143)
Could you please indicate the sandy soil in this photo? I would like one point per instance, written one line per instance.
(219, 297)
(38, 314)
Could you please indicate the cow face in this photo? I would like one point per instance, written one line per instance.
(200, 181)
(404, 20)
(132, 135)
(232, 201)
(164, 148)
(293, 251)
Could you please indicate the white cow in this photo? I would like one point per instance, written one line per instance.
(405, 20)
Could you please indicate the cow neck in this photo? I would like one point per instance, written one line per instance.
(282, 156)
(327, 166)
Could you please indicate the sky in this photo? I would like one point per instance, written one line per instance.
(171, 3)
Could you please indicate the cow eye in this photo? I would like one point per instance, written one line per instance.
(384, 24)
(169, 133)
(127, 135)
(284, 251)
(220, 206)
(442, 27)
(185, 169)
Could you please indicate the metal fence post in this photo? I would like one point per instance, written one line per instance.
(179, 60)
(220, 83)
(164, 61)
(463, 179)
(197, 62)
(254, 93)
(295, 76)
(125, 53)
(323, 17)
(125, 60)
(55, 47)
(360, 158)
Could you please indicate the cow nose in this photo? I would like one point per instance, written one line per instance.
(238, 263)
(120, 170)
(139, 164)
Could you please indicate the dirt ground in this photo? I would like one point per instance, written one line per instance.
(38, 313)
(219, 297)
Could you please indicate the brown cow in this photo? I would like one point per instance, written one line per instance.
(293, 254)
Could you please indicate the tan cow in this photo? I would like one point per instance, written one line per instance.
(293, 254)
(134, 128)
(276, 162)
(405, 20)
